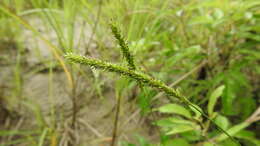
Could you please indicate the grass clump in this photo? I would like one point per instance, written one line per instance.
(140, 77)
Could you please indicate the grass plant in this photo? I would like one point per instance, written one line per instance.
(209, 49)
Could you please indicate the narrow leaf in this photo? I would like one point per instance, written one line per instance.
(180, 129)
(175, 109)
(232, 131)
(214, 97)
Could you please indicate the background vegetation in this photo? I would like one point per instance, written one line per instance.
(206, 50)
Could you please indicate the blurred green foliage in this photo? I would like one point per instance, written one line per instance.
(168, 39)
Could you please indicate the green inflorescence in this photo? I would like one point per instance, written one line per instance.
(123, 46)
(136, 75)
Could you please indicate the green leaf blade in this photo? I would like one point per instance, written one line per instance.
(175, 109)
(214, 97)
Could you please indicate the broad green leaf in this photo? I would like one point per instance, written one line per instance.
(235, 85)
(180, 129)
(197, 113)
(194, 135)
(228, 142)
(165, 123)
(180, 121)
(222, 122)
(232, 131)
(249, 136)
(245, 133)
(175, 109)
(171, 122)
(249, 105)
(214, 97)
(229, 95)
(176, 125)
(177, 142)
